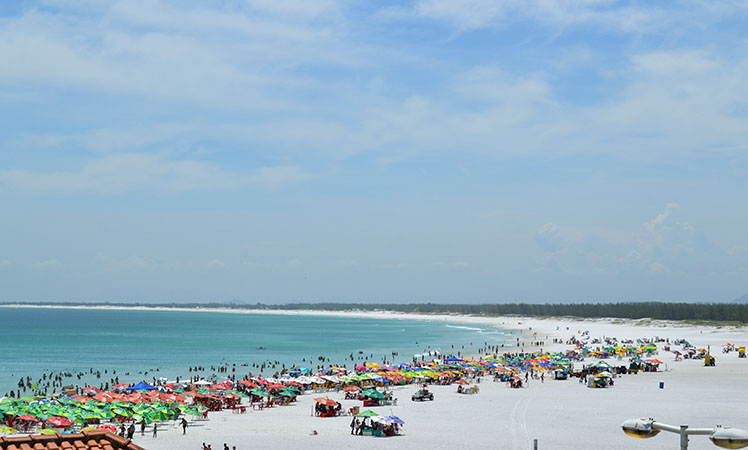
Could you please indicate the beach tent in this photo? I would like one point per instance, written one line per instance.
(142, 386)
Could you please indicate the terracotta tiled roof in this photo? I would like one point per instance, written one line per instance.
(88, 440)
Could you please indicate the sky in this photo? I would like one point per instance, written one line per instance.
(462, 151)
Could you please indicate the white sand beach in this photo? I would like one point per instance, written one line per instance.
(559, 414)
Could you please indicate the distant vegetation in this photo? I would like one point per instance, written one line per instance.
(692, 312)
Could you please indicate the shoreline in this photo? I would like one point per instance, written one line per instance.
(543, 411)
(517, 323)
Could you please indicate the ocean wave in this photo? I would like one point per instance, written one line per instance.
(461, 327)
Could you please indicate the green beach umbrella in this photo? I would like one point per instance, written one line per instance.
(47, 431)
(373, 393)
(122, 412)
(193, 412)
(259, 393)
(7, 430)
(238, 393)
(287, 393)
(141, 418)
(160, 415)
(367, 413)
(106, 413)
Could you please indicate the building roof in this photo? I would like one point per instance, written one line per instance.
(87, 440)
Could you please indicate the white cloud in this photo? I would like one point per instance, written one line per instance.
(216, 264)
(608, 15)
(662, 217)
(226, 56)
(661, 246)
(47, 263)
(134, 172)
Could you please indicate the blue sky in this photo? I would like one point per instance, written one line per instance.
(434, 150)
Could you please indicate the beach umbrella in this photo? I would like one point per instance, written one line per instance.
(373, 393)
(122, 412)
(367, 413)
(238, 393)
(326, 401)
(381, 419)
(7, 430)
(395, 419)
(160, 415)
(287, 393)
(193, 412)
(141, 418)
(59, 421)
(29, 418)
(47, 431)
(110, 428)
(259, 393)
(105, 413)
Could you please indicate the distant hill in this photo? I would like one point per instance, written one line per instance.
(743, 299)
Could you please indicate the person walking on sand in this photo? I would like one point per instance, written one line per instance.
(184, 425)
(142, 427)
(155, 429)
(353, 424)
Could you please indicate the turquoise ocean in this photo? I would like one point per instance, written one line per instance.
(167, 343)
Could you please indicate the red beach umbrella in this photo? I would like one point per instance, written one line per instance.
(59, 421)
(326, 401)
(28, 417)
